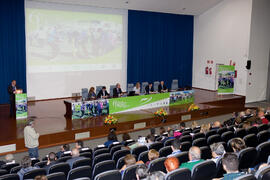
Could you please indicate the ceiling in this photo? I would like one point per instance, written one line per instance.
(191, 7)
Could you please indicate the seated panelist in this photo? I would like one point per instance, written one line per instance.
(149, 89)
(162, 87)
(117, 91)
(103, 93)
(91, 94)
(137, 88)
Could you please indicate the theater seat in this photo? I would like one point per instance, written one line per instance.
(185, 146)
(33, 173)
(143, 156)
(182, 173)
(109, 175)
(120, 163)
(157, 146)
(185, 138)
(41, 164)
(182, 157)
(165, 151)
(247, 157)
(240, 133)
(8, 167)
(204, 170)
(205, 153)
(15, 169)
(60, 167)
(198, 135)
(64, 159)
(263, 136)
(10, 177)
(101, 151)
(246, 177)
(157, 165)
(262, 127)
(113, 145)
(79, 172)
(168, 142)
(210, 133)
(102, 167)
(120, 153)
(251, 140)
(138, 150)
(263, 151)
(222, 130)
(263, 173)
(3, 172)
(100, 158)
(56, 176)
(220, 170)
(252, 130)
(213, 139)
(199, 142)
(226, 136)
(115, 148)
(82, 162)
(129, 172)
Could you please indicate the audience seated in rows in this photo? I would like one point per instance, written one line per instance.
(176, 145)
(194, 155)
(75, 153)
(26, 166)
(171, 164)
(147, 141)
(9, 159)
(152, 155)
(217, 150)
(170, 136)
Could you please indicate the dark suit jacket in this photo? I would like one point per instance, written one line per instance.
(116, 93)
(100, 94)
(148, 90)
(160, 88)
(11, 94)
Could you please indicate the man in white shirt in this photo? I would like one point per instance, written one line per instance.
(31, 139)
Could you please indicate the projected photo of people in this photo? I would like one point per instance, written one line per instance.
(181, 97)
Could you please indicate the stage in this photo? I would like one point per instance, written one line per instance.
(56, 129)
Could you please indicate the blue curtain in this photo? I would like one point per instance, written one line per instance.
(160, 47)
(12, 46)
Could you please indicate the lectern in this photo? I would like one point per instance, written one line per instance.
(21, 104)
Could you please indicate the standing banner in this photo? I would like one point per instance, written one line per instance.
(226, 79)
(21, 106)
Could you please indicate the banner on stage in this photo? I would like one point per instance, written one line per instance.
(181, 97)
(21, 106)
(86, 109)
(226, 79)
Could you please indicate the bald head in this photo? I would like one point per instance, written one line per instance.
(75, 152)
(217, 124)
(194, 153)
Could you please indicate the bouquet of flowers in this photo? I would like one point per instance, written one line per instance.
(161, 113)
(109, 120)
(193, 107)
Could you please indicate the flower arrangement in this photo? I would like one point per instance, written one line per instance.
(109, 120)
(161, 113)
(193, 107)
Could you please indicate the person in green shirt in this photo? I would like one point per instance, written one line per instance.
(194, 155)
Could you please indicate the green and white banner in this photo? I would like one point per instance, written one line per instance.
(21, 106)
(134, 103)
(226, 79)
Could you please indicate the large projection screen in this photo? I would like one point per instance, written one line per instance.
(70, 47)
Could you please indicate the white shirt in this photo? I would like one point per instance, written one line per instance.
(30, 137)
(137, 91)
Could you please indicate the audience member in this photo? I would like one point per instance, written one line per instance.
(153, 131)
(42, 177)
(143, 141)
(152, 155)
(51, 161)
(230, 164)
(150, 139)
(79, 145)
(176, 145)
(125, 137)
(262, 117)
(237, 144)
(142, 172)
(157, 175)
(64, 148)
(31, 139)
(111, 138)
(170, 136)
(194, 124)
(217, 151)
(246, 125)
(216, 125)
(129, 161)
(194, 155)
(171, 164)
(205, 128)
(26, 166)
(182, 126)
(75, 156)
